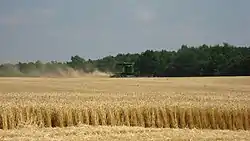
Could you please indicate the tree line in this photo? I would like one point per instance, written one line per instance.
(204, 60)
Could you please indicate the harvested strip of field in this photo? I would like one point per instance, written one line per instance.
(205, 103)
(93, 133)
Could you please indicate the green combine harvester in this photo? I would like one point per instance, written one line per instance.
(127, 70)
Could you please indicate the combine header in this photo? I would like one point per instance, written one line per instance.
(127, 70)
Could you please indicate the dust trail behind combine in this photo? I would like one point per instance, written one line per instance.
(71, 73)
(47, 71)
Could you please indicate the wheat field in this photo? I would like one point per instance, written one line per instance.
(158, 104)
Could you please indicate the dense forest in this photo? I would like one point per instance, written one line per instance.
(205, 60)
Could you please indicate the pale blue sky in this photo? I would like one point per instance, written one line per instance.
(57, 29)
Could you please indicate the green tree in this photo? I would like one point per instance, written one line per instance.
(76, 62)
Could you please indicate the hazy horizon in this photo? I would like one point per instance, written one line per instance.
(55, 30)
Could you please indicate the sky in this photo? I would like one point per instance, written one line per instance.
(58, 29)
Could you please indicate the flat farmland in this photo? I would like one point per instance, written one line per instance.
(153, 104)
(94, 91)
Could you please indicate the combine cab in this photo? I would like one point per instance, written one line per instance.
(127, 70)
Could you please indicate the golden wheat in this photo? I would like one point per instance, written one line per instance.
(202, 103)
(159, 117)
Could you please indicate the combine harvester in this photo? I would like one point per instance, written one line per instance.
(127, 70)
